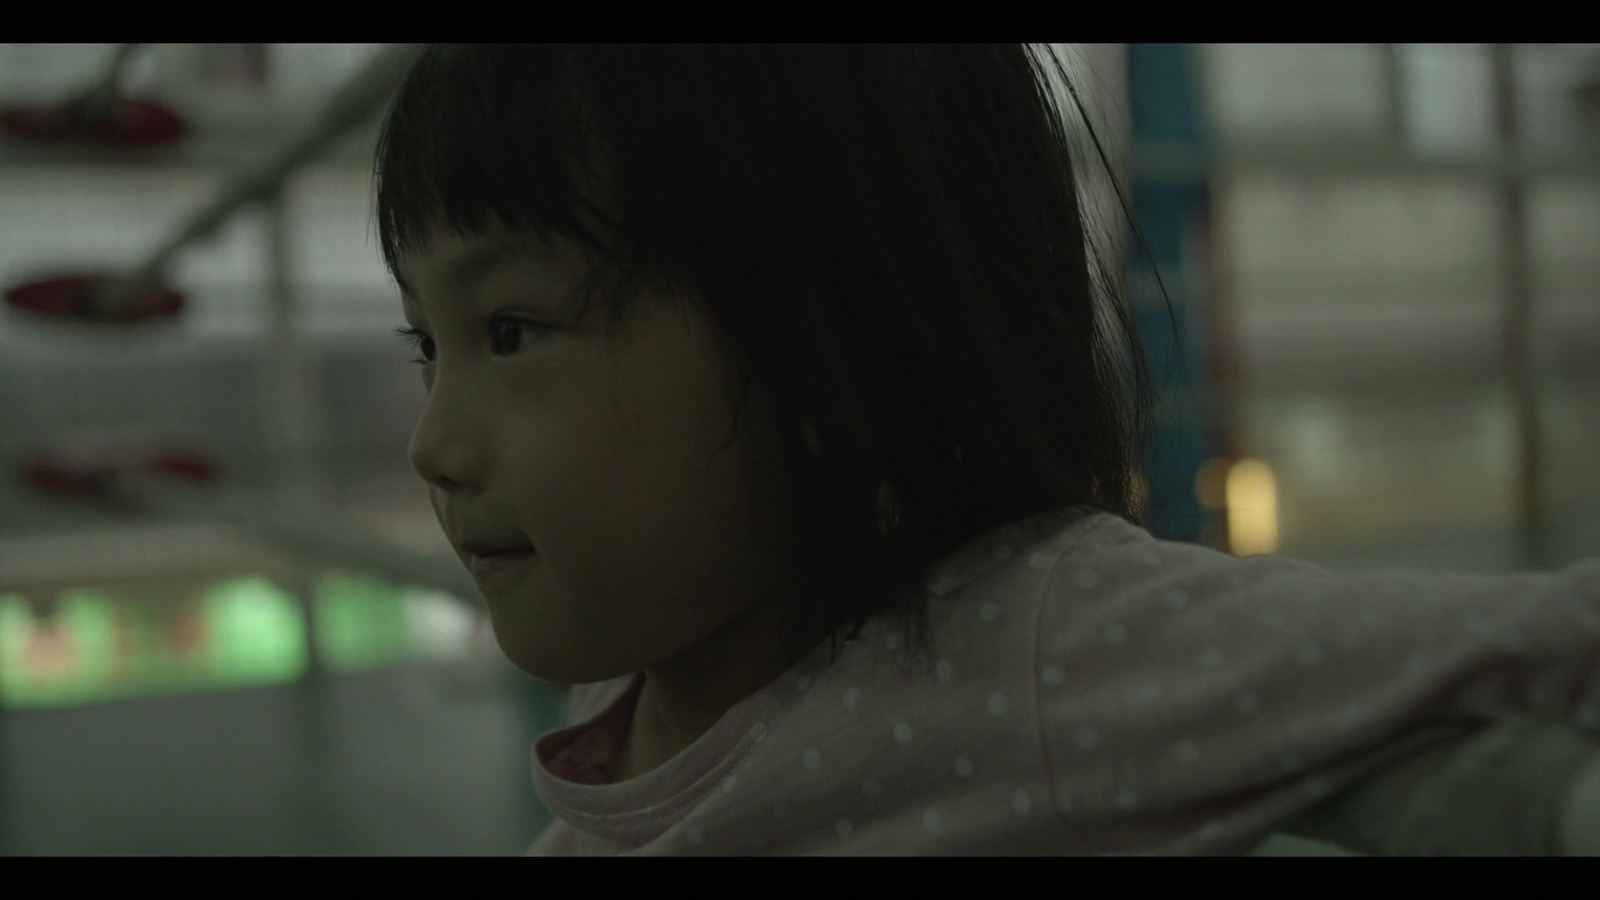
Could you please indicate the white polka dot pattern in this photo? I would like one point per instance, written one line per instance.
(1088, 737)
(1138, 674)
(1021, 802)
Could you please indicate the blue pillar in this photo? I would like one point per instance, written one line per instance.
(1170, 208)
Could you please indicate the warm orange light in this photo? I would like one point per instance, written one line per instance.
(1252, 503)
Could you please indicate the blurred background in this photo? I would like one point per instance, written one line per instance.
(1385, 354)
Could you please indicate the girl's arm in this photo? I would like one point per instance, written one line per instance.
(1526, 786)
(1579, 833)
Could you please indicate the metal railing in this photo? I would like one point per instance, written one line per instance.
(290, 516)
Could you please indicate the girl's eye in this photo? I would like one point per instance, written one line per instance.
(411, 337)
(508, 335)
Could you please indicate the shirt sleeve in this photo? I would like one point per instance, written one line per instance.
(1500, 791)
(1190, 701)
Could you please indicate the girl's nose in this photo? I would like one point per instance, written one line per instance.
(444, 450)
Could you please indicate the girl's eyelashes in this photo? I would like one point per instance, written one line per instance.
(415, 339)
(506, 337)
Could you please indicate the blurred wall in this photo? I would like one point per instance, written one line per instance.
(1358, 260)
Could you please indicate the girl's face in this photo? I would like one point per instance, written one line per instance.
(655, 536)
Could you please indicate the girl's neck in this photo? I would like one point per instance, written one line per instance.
(683, 698)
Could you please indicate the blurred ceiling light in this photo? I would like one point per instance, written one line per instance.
(1252, 504)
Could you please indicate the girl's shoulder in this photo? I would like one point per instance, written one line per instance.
(1093, 559)
(1170, 675)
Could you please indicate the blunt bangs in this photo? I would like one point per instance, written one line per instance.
(489, 135)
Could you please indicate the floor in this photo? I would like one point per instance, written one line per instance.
(412, 761)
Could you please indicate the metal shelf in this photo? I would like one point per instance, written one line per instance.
(220, 141)
(1176, 161)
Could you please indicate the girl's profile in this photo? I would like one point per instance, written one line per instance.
(781, 402)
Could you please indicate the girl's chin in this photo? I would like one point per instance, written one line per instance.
(559, 660)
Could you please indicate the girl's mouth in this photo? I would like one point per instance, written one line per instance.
(500, 559)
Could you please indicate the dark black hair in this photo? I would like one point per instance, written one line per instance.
(890, 236)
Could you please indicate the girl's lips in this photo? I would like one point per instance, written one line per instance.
(494, 562)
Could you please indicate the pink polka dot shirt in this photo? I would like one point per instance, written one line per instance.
(1090, 689)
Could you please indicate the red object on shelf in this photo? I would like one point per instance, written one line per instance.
(72, 297)
(126, 123)
(57, 476)
(67, 473)
(190, 465)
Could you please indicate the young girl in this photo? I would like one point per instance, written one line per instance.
(773, 403)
